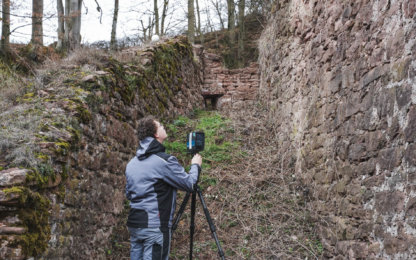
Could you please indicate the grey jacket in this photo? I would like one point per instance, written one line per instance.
(152, 178)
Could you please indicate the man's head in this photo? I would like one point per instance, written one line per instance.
(150, 127)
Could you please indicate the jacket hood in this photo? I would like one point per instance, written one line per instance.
(149, 146)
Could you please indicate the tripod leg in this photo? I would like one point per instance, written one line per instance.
(210, 222)
(180, 212)
(193, 204)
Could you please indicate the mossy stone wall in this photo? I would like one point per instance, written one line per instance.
(71, 195)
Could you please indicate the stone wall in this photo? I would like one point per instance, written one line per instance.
(339, 81)
(67, 205)
(235, 87)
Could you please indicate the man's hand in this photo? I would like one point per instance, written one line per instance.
(197, 159)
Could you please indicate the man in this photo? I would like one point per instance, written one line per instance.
(152, 178)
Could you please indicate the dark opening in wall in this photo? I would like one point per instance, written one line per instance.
(210, 100)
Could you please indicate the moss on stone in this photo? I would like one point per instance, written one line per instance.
(83, 114)
(62, 147)
(34, 215)
(41, 175)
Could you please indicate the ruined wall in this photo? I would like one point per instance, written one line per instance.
(236, 86)
(70, 196)
(339, 81)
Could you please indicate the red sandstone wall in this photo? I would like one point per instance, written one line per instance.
(238, 86)
(339, 81)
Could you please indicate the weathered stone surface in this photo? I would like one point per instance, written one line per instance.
(410, 154)
(389, 202)
(390, 158)
(352, 70)
(410, 130)
(233, 85)
(8, 198)
(4, 230)
(12, 176)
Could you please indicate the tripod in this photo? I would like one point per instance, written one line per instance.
(198, 191)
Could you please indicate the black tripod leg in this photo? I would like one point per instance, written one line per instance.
(193, 204)
(180, 212)
(210, 222)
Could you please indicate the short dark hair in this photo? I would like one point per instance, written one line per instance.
(146, 127)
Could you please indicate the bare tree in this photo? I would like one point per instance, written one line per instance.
(67, 24)
(198, 27)
(61, 28)
(156, 13)
(164, 13)
(241, 30)
(113, 42)
(191, 21)
(231, 20)
(37, 16)
(5, 28)
(218, 9)
(75, 20)
(72, 24)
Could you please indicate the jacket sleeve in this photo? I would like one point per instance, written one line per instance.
(177, 177)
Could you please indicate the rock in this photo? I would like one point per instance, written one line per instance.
(12, 230)
(8, 198)
(410, 130)
(389, 202)
(100, 72)
(88, 78)
(12, 176)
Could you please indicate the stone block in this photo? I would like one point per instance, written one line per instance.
(410, 130)
(394, 128)
(374, 181)
(390, 158)
(410, 154)
(367, 167)
(373, 75)
(357, 152)
(353, 249)
(400, 69)
(12, 176)
(403, 95)
(411, 207)
(5, 230)
(8, 198)
(394, 245)
(375, 140)
(409, 9)
(389, 202)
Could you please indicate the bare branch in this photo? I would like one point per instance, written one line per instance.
(99, 9)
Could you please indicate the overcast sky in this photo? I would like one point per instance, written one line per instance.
(130, 14)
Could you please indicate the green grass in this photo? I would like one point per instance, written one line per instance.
(218, 147)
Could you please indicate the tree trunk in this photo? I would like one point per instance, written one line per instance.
(37, 16)
(113, 42)
(150, 30)
(165, 9)
(156, 17)
(68, 24)
(144, 31)
(201, 36)
(74, 24)
(231, 20)
(61, 30)
(191, 21)
(5, 28)
(241, 31)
